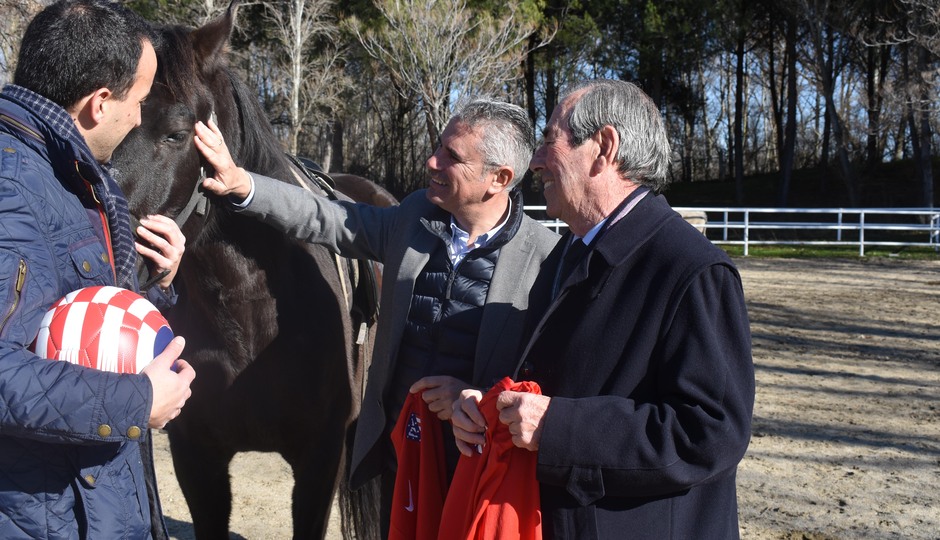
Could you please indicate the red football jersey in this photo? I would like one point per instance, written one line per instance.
(495, 495)
(421, 480)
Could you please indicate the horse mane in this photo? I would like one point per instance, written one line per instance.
(259, 150)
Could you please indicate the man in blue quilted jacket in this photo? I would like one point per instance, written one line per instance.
(71, 437)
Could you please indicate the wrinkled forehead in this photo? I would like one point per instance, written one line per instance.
(461, 134)
(562, 112)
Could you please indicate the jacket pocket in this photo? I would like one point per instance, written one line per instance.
(91, 262)
(112, 490)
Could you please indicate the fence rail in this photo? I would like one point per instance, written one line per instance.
(862, 227)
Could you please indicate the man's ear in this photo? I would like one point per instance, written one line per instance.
(502, 179)
(99, 103)
(90, 111)
(608, 144)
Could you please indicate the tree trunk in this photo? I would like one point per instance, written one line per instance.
(529, 67)
(913, 128)
(826, 66)
(689, 146)
(551, 89)
(789, 140)
(739, 121)
(823, 37)
(926, 150)
(776, 101)
(338, 163)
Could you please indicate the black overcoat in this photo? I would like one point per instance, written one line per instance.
(646, 355)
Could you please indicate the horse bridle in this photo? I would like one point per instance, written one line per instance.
(198, 201)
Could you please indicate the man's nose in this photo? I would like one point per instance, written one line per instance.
(536, 164)
(432, 163)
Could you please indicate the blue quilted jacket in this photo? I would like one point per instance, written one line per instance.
(70, 437)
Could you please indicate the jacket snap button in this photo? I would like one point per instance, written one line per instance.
(9, 150)
(90, 479)
(104, 257)
(133, 432)
(86, 266)
(104, 430)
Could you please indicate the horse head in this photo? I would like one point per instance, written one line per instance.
(157, 165)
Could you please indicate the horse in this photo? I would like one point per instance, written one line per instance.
(271, 323)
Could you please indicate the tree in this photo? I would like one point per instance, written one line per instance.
(826, 62)
(444, 50)
(787, 101)
(14, 16)
(923, 27)
(310, 81)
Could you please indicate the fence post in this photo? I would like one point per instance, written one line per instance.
(839, 230)
(747, 221)
(935, 233)
(724, 233)
(861, 234)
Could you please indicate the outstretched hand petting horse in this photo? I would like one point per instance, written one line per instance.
(229, 178)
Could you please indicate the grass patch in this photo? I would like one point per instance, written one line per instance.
(834, 252)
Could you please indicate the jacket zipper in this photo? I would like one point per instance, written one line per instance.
(17, 291)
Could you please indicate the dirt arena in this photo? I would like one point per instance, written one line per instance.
(846, 438)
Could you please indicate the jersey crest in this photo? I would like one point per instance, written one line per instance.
(413, 429)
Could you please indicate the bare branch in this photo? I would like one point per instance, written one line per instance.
(442, 50)
(310, 80)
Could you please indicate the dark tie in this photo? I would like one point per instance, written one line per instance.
(573, 255)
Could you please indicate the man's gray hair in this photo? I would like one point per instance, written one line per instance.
(508, 138)
(644, 151)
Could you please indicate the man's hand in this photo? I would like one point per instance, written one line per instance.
(468, 422)
(229, 179)
(170, 376)
(165, 249)
(523, 413)
(440, 392)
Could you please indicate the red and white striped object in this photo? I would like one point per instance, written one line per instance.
(104, 327)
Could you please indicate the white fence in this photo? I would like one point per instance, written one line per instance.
(862, 227)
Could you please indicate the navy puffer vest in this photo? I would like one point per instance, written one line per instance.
(446, 309)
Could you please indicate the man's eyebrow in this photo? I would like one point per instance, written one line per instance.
(454, 153)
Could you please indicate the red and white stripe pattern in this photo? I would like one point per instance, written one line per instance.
(106, 328)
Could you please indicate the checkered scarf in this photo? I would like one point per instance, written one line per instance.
(106, 189)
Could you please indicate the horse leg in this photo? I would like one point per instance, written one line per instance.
(202, 472)
(312, 498)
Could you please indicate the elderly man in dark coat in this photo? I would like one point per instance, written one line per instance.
(644, 355)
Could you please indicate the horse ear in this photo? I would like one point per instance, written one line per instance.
(210, 40)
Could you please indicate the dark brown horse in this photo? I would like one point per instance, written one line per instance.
(270, 323)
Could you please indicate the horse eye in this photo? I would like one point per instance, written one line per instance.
(177, 137)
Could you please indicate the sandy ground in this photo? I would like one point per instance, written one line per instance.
(846, 438)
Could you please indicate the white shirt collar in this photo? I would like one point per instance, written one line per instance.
(459, 248)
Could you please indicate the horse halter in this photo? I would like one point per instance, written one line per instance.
(198, 201)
